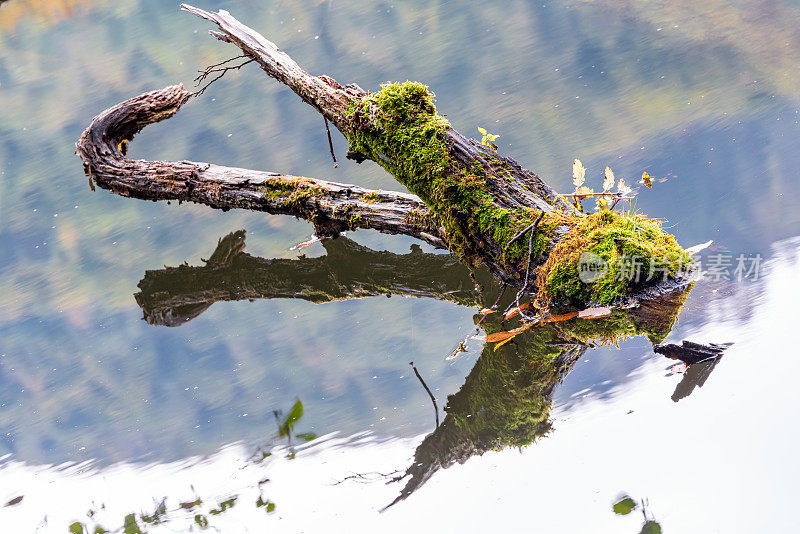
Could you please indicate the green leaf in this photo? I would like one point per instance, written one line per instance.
(131, 526)
(269, 504)
(307, 436)
(292, 417)
(625, 506)
(201, 520)
(76, 528)
(651, 527)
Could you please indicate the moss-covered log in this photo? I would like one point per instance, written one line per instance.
(484, 207)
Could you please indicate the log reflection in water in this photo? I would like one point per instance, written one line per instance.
(174, 296)
(505, 400)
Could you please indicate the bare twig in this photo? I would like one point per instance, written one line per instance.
(524, 287)
(369, 477)
(218, 67)
(330, 141)
(433, 399)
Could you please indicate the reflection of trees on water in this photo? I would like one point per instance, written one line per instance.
(506, 399)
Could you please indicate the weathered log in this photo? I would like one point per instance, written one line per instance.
(331, 206)
(498, 188)
(484, 207)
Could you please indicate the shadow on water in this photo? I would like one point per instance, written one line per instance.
(506, 398)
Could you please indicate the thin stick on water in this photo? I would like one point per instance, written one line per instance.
(330, 141)
(433, 399)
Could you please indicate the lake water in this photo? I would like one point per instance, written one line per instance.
(103, 415)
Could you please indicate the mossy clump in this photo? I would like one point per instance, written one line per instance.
(399, 128)
(636, 250)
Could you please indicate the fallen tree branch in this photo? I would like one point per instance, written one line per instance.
(470, 200)
(332, 207)
(511, 187)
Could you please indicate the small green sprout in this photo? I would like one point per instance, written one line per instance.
(488, 139)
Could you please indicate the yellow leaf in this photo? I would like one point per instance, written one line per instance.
(608, 183)
(578, 173)
(482, 130)
(647, 181)
(502, 343)
(622, 188)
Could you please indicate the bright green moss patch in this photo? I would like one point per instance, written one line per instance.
(635, 249)
(399, 128)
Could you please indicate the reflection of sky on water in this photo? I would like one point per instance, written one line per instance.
(695, 461)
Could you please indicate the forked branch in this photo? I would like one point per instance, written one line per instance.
(332, 207)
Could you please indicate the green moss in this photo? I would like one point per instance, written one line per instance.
(372, 197)
(628, 242)
(399, 128)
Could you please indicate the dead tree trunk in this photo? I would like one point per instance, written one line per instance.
(484, 207)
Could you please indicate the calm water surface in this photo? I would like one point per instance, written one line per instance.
(102, 412)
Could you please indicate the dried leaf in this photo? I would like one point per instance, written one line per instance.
(594, 313)
(646, 180)
(697, 248)
(487, 311)
(562, 317)
(513, 312)
(578, 173)
(622, 188)
(500, 336)
(608, 183)
(504, 336)
(15, 501)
